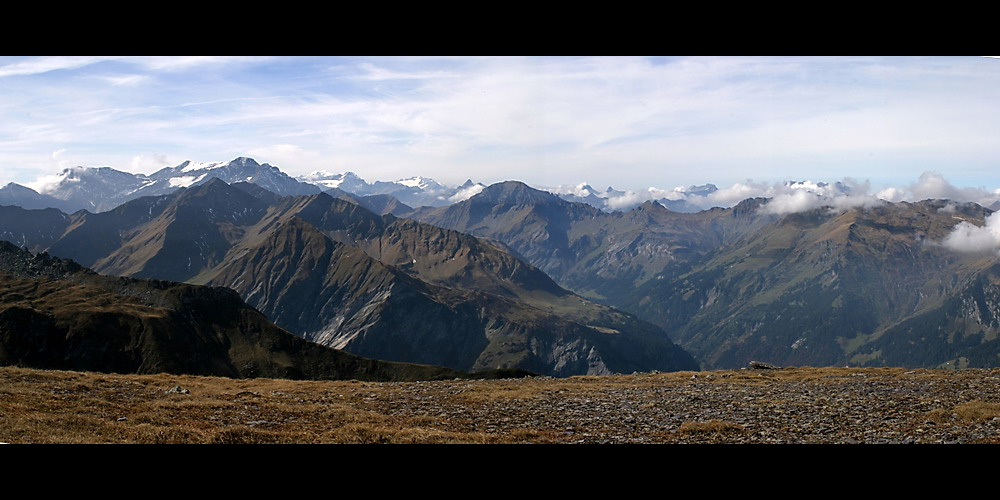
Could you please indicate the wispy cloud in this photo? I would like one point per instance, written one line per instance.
(165, 63)
(626, 122)
(121, 80)
(39, 65)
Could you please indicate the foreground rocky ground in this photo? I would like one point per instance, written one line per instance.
(799, 405)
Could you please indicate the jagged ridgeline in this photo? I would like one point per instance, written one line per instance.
(56, 314)
(336, 273)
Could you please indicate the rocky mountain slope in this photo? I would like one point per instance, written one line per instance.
(56, 314)
(334, 272)
(32, 229)
(478, 306)
(870, 285)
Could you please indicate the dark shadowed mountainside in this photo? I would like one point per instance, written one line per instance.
(56, 314)
(32, 229)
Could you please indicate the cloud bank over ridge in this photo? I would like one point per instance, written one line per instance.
(794, 196)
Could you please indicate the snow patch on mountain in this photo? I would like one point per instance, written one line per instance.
(187, 181)
(418, 182)
(190, 166)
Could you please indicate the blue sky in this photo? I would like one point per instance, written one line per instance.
(626, 122)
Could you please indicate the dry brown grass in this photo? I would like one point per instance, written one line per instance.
(972, 412)
(714, 426)
(978, 411)
(39, 406)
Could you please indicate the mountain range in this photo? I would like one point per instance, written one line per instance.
(104, 188)
(509, 276)
(98, 189)
(338, 274)
(865, 285)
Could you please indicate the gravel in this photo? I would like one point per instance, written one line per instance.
(804, 405)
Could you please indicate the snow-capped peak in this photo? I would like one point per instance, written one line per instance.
(581, 190)
(321, 175)
(348, 181)
(419, 183)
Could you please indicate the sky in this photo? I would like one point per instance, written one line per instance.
(627, 122)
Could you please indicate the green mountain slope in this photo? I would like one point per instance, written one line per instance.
(817, 287)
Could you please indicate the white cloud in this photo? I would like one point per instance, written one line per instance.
(802, 200)
(676, 193)
(798, 201)
(792, 197)
(933, 185)
(48, 183)
(727, 197)
(891, 194)
(967, 237)
(627, 200)
(465, 194)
